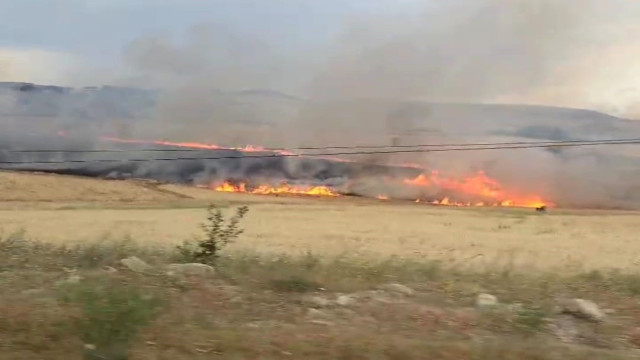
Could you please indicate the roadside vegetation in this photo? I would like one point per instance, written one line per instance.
(120, 300)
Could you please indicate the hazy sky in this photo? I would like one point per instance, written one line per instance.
(580, 53)
(64, 33)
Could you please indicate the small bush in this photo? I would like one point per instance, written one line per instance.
(217, 235)
(112, 314)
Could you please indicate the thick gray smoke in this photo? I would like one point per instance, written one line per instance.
(427, 78)
(543, 52)
(394, 76)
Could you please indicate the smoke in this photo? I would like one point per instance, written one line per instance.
(207, 78)
(387, 78)
(560, 53)
(425, 78)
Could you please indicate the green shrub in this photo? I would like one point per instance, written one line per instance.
(531, 319)
(112, 314)
(217, 235)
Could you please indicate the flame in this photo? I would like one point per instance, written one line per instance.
(228, 187)
(195, 145)
(486, 190)
(273, 190)
(479, 186)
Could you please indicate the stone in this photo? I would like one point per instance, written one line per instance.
(345, 300)
(378, 296)
(317, 314)
(135, 264)
(110, 270)
(73, 279)
(317, 301)
(321, 322)
(190, 269)
(397, 288)
(485, 301)
(583, 309)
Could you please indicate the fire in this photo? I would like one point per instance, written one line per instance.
(228, 187)
(479, 186)
(485, 190)
(277, 190)
(195, 145)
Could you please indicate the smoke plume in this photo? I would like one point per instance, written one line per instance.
(459, 71)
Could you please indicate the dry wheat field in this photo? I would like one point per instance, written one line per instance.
(71, 209)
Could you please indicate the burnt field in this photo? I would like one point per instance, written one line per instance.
(187, 164)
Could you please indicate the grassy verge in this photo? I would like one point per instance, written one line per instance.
(74, 302)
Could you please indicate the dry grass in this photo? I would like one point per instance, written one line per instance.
(559, 239)
(257, 305)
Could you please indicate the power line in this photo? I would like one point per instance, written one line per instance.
(354, 147)
(543, 145)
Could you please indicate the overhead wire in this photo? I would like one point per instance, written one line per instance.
(340, 147)
(494, 146)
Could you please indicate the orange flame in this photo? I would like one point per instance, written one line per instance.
(488, 191)
(282, 189)
(478, 186)
(195, 145)
(228, 187)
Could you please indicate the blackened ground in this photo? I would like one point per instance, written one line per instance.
(188, 167)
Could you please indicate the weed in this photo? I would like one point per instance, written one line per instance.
(531, 319)
(112, 315)
(217, 235)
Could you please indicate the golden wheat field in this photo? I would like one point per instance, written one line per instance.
(71, 209)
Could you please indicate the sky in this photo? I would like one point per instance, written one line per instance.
(577, 53)
(41, 34)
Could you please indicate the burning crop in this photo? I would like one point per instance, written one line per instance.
(484, 190)
(478, 190)
(283, 189)
(307, 175)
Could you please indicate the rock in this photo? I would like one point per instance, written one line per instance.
(378, 296)
(321, 322)
(317, 314)
(135, 264)
(191, 269)
(73, 279)
(397, 288)
(345, 300)
(317, 301)
(110, 270)
(583, 309)
(484, 301)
